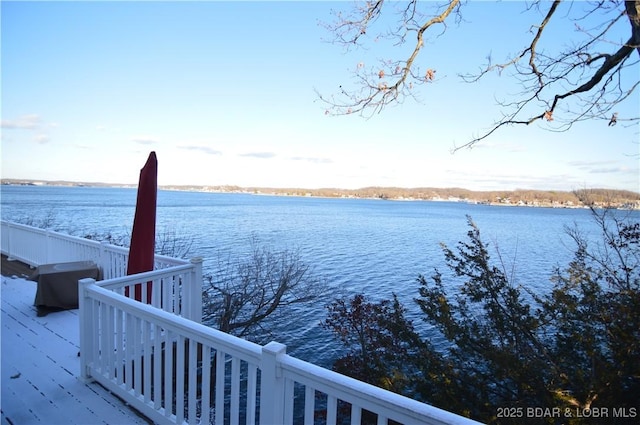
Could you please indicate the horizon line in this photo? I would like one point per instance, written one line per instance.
(4, 181)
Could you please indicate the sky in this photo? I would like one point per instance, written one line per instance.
(226, 93)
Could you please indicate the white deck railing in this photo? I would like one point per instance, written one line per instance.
(34, 247)
(176, 290)
(174, 370)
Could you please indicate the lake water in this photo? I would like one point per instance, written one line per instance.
(359, 245)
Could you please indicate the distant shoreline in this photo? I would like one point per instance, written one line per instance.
(520, 197)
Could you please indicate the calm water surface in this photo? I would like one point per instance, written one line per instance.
(359, 245)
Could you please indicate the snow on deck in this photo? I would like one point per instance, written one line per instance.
(41, 367)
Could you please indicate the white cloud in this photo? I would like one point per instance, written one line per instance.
(42, 138)
(25, 122)
(261, 155)
(144, 140)
(598, 167)
(589, 164)
(204, 149)
(313, 160)
(32, 123)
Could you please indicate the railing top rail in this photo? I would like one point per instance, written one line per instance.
(168, 259)
(115, 248)
(22, 226)
(244, 349)
(119, 282)
(366, 395)
(89, 242)
(51, 232)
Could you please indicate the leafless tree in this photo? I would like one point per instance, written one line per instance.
(244, 294)
(48, 221)
(174, 243)
(584, 78)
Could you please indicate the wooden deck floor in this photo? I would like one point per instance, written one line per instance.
(40, 367)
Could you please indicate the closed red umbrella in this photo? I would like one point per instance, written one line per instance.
(143, 235)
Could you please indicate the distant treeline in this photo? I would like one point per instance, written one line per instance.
(578, 198)
(603, 197)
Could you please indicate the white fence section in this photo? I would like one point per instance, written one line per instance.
(176, 371)
(176, 283)
(35, 246)
(176, 290)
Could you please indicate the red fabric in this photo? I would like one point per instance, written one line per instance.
(143, 235)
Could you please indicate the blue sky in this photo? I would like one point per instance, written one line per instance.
(225, 95)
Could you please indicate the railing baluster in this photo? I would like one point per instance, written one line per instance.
(289, 401)
(94, 319)
(166, 294)
(179, 377)
(192, 379)
(128, 349)
(143, 292)
(168, 374)
(49, 248)
(332, 409)
(163, 294)
(235, 391)
(136, 362)
(157, 367)
(309, 404)
(101, 332)
(118, 350)
(220, 380)
(252, 385)
(156, 292)
(85, 313)
(176, 295)
(108, 335)
(356, 414)
(205, 409)
(147, 356)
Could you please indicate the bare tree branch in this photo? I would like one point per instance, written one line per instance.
(244, 294)
(556, 70)
(376, 92)
(584, 81)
